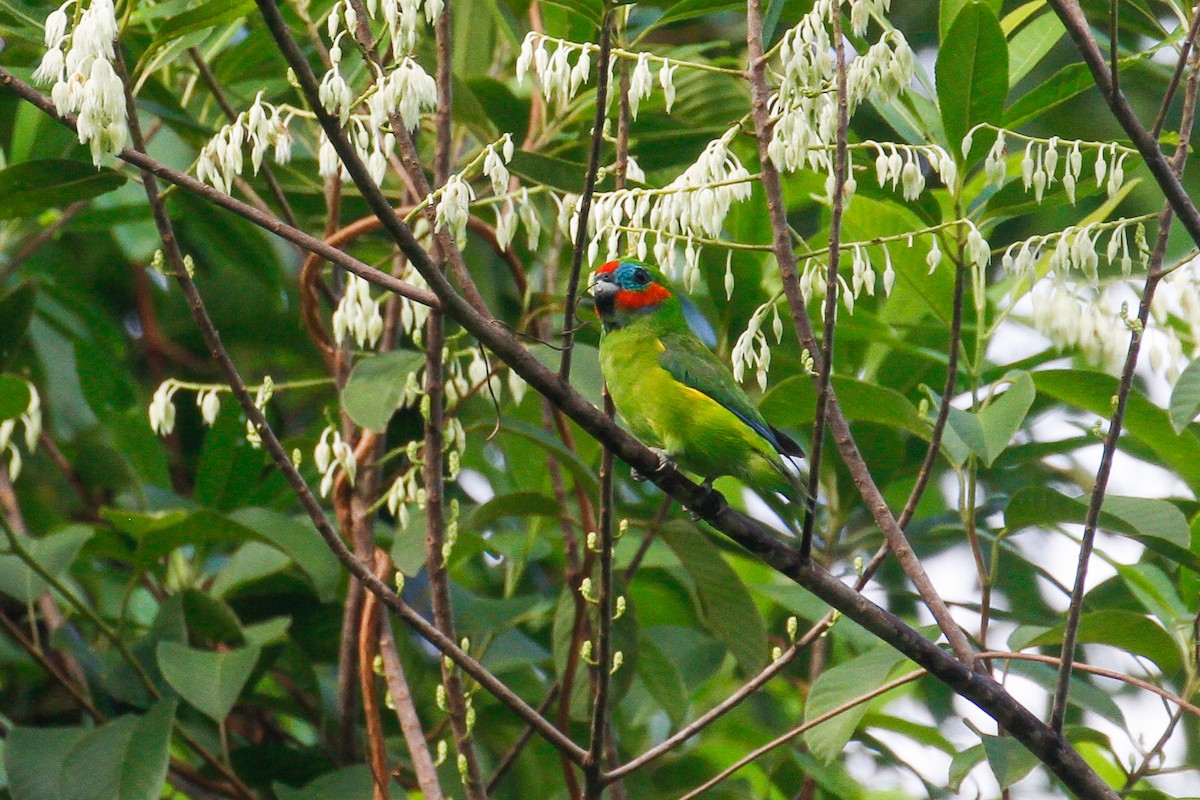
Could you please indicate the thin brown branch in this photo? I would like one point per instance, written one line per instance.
(583, 212)
(605, 664)
(1185, 49)
(838, 202)
(839, 426)
(1077, 26)
(799, 729)
(510, 757)
(368, 646)
(37, 240)
(52, 669)
(1125, 386)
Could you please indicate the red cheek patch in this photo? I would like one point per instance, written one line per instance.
(651, 295)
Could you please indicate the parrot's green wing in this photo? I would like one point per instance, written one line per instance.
(691, 363)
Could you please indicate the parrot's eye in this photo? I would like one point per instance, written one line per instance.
(641, 277)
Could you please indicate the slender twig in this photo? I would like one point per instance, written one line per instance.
(437, 552)
(1114, 17)
(838, 424)
(244, 210)
(1143, 769)
(605, 665)
(368, 646)
(1091, 521)
(406, 713)
(510, 757)
(585, 200)
(52, 669)
(36, 241)
(799, 729)
(1077, 26)
(1173, 86)
(838, 202)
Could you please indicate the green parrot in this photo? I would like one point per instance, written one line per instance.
(674, 393)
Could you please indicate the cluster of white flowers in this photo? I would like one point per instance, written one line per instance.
(1075, 248)
(332, 452)
(806, 104)
(752, 349)
(261, 397)
(522, 211)
(357, 314)
(402, 18)
(408, 90)
(263, 126)
(1039, 165)
(900, 165)
(83, 78)
(454, 207)
(31, 420)
(560, 79)
(406, 490)
(691, 207)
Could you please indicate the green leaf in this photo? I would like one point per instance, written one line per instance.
(347, 783)
(963, 435)
(53, 553)
(158, 533)
(1185, 399)
(1003, 417)
(31, 187)
(962, 763)
(34, 757)
(582, 472)
(375, 386)
(299, 540)
(209, 681)
(1031, 44)
(1093, 391)
(725, 603)
(557, 173)
(1157, 524)
(1009, 759)
(14, 397)
(203, 17)
(1157, 593)
(948, 11)
(972, 72)
(662, 679)
(16, 309)
(1055, 90)
(591, 10)
(793, 401)
(1125, 630)
(124, 759)
(837, 686)
(690, 9)
(517, 504)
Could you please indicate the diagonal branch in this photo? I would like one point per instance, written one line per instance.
(1153, 276)
(838, 424)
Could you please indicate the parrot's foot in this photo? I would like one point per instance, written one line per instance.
(708, 503)
(663, 463)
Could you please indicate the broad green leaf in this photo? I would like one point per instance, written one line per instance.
(300, 541)
(1031, 44)
(1068, 82)
(376, 385)
(557, 173)
(962, 763)
(53, 553)
(1003, 417)
(34, 757)
(690, 9)
(1185, 398)
(839, 685)
(158, 533)
(1125, 630)
(200, 18)
(1084, 695)
(972, 72)
(1157, 524)
(591, 10)
(725, 603)
(1157, 593)
(1009, 759)
(792, 404)
(948, 11)
(1014, 19)
(273, 631)
(16, 309)
(583, 473)
(347, 783)
(517, 504)
(209, 681)
(963, 435)
(662, 679)
(124, 759)
(1093, 391)
(14, 397)
(31, 187)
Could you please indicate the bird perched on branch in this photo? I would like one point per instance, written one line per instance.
(674, 393)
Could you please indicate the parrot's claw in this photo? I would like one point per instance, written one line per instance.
(663, 463)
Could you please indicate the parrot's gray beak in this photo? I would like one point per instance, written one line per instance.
(604, 291)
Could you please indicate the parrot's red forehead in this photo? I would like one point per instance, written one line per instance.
(610, 267)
